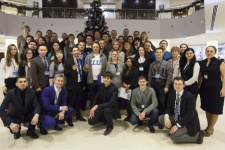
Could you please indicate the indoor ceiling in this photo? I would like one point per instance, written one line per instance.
(218, 32)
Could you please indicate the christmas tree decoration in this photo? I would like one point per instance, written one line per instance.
(96, 19)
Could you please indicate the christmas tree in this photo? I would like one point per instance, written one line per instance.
(96, 20)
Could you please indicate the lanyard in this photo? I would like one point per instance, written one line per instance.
(13, 66)
(116, 66)
(77, 62)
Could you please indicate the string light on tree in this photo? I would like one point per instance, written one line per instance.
(96, 19)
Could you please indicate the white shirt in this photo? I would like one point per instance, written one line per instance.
(57, 96)
(96, 66)
(194, 78)
(7, 72)
(180, 93)
(141, 59)
(88, 46)
(75, 60)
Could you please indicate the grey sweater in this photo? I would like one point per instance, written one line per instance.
(104, 66)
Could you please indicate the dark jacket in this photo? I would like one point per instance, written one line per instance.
(188, 113)
(38, 69)
(72, 75)
(13, 101)
(131, 77)
(106, 97)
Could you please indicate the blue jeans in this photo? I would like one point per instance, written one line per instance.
(134, 119)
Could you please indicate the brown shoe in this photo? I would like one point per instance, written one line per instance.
(108, 131)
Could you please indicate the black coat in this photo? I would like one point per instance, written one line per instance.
(131, 77)
(106, 97)
(145, 65)
(16, 109)
(72, 75)
(188, 113)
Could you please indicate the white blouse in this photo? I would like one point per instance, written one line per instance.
(194, 78)
(7, 72)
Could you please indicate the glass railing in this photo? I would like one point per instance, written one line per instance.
(142, 14)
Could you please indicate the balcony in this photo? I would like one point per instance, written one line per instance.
(141, 14)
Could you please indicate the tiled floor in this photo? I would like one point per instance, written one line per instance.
(124, 137)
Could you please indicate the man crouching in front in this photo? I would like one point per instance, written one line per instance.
(22, 106)
(105, 104)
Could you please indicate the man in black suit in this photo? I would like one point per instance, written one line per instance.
(74, 84)
(20, 105)
(105, 104)
(181, 116)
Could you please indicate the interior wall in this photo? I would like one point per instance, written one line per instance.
(169, 28)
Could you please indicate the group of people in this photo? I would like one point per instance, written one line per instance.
(47, 81)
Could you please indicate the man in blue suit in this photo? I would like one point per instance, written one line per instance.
(54, 107)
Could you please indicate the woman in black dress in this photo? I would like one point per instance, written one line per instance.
(189, 70)
(143, 62)
(212, 90)
(130, 79)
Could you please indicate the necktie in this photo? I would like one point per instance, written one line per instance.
(177, 108)
(46, 63)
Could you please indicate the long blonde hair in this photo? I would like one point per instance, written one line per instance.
(9, 55)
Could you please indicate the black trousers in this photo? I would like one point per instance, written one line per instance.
(74, 98)
(160, 94)
(27, 118)
(38, 94)
(10, 84)
(101, 115)
(93, 89)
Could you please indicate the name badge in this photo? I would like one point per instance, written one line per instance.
(141, 68)
(175, 111)
(142, 106)
(46, 73)
(15, 73)
(118, 73)
(157, 76)
(206, 76)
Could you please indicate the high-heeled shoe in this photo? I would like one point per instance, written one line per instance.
(206, 133)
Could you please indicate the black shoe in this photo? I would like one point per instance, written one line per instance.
(200, 137)
(32, 135)
(160, 126)
(140, 123)
(43, 131)
(17, 135)
(83, 108)
(70, 123)
(80, 118)
(57, 128)
(127, 119)
(151, 128)
(108, 131)
(62, 122)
